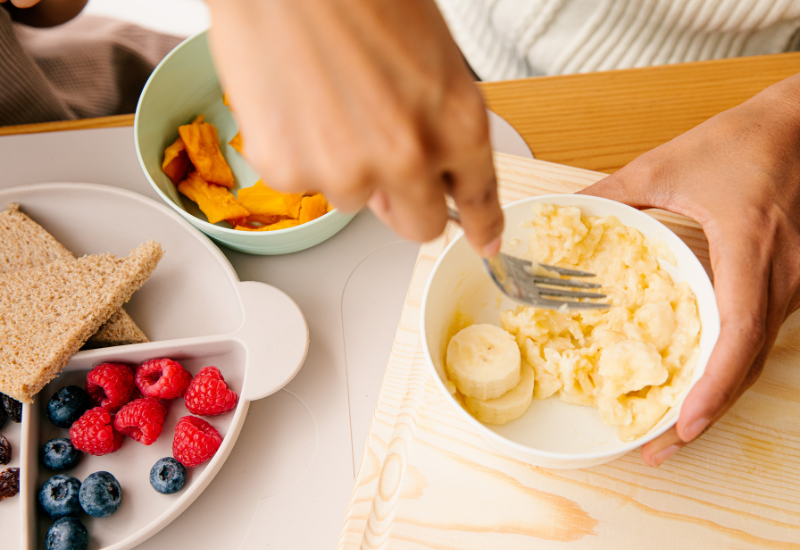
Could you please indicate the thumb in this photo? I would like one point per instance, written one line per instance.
(634, 186)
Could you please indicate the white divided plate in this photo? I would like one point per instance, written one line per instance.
(195, 310)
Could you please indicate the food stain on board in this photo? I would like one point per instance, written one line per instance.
(514, 508)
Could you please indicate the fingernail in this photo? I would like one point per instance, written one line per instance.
(694, 429)
(664, 454)
(492, 248)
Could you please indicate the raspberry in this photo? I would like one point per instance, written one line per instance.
(110, 385)
(195, 441)
(94, 433)
(142, 420)
(162, 379)
(208, 394)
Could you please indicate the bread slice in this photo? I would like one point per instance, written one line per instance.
(119, 330)
(25, 244)
(48, 312)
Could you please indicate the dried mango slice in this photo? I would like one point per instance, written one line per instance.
(262, 199)
(313, 207)
(215, 201)
(202, 146)
(283, 224)
(176, 161)
(226, 102)
(263, 219)
(265, 201)
(256, 221)
(236, 143)
(237, 221)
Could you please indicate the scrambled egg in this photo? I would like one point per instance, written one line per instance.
(631, 361)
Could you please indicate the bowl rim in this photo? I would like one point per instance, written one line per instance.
(205, 225)
(491, 435)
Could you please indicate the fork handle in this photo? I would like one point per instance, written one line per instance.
(453, 214)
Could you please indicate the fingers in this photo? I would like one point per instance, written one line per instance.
(742, 299)
(643, 183)
(469, 170)
(724, 381)
(379, 204)
(656, 452)
(742, 296)
(417, 212)
(474, 189)
(361, 110)
(741, 271)
(616, 188)
(661, 448)
(458, 162)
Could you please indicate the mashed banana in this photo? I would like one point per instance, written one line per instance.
(632, 361)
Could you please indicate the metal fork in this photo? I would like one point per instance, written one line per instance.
(524, 282)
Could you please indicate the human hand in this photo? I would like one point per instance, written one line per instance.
(22, 3)
(43, 13)
(367, 101)
(738, 175)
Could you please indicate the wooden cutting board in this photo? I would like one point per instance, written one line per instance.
(428, 481)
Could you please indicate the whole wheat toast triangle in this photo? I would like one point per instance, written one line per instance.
(25, 244)
(48, 312)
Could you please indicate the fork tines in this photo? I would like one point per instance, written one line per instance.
(522, 283)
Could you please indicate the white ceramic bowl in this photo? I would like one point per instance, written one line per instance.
(552, 434)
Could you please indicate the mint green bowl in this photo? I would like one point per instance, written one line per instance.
(184, 85)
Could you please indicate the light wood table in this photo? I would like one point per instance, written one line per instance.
(597, 121)
(602, 121)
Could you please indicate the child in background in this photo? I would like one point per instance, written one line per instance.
(505, 39)
(82, 68)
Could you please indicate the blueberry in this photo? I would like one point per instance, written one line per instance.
(67, 405)
(100, 495)
(67, 534)
(60, 454)
(168, 476)
(59, 496)
(3, 415)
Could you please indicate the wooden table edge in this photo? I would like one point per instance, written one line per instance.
(116, 121)
(597, 121)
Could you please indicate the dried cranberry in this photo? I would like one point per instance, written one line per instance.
(5, 450)
(9, 483)
(13, 407)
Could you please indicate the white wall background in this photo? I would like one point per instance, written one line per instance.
(178, 17)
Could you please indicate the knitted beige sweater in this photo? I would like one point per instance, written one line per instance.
(88, 67)
(505, 39)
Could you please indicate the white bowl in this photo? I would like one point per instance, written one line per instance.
(552, 434)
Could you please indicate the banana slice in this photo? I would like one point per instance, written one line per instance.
(509, 406)
(483, 361)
